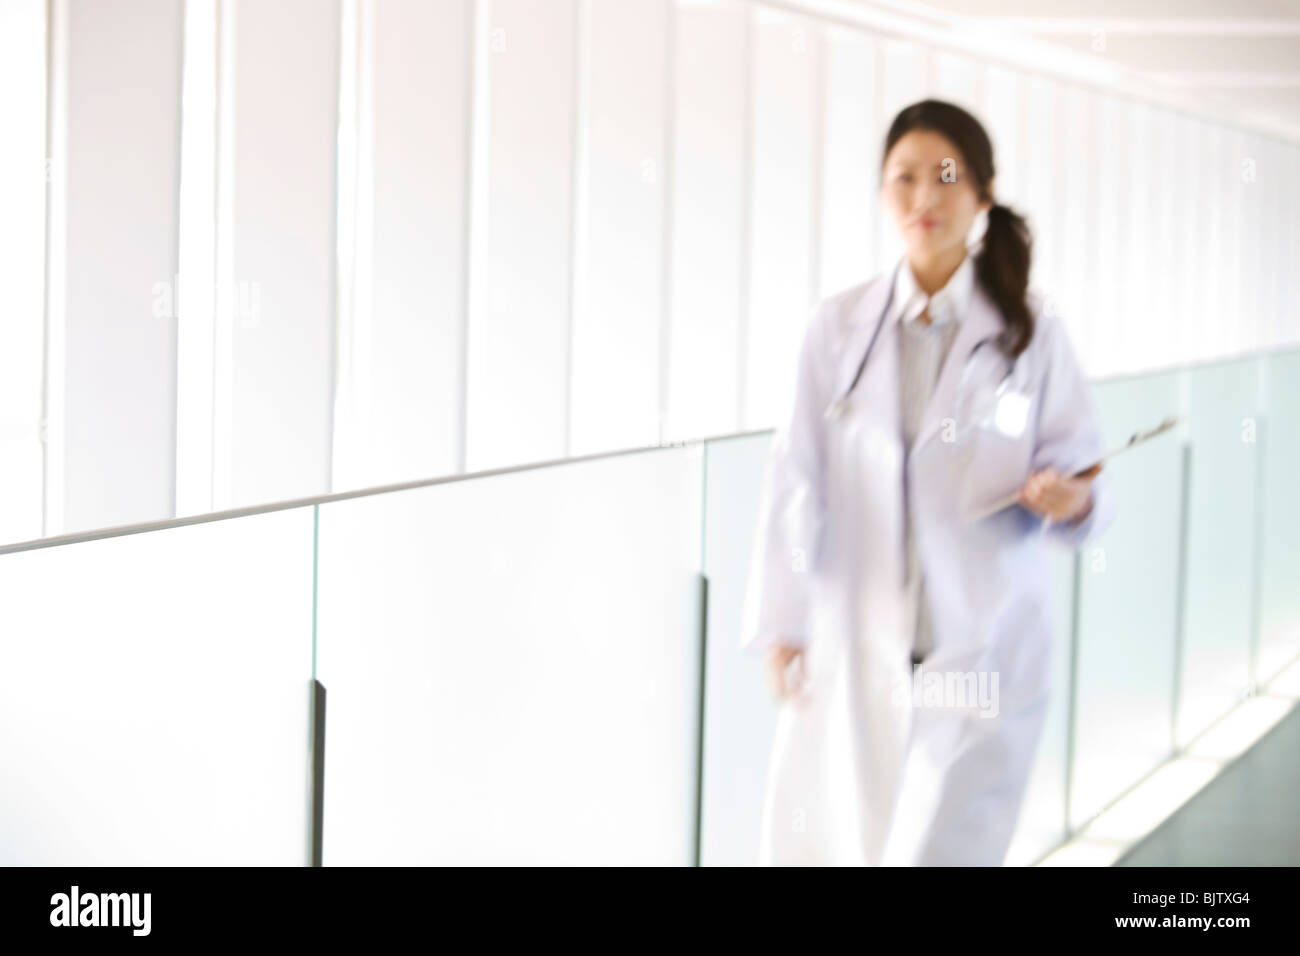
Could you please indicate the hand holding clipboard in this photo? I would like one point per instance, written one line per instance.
(1137, 439)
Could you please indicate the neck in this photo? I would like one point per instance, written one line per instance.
(932, 273)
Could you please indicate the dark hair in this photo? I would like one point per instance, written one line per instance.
(1002, 266)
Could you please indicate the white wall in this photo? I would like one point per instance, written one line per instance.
(786, 162)
(691, 277)
(23, 175)
(402, 330)
(110, 374)
(621, 215)
(711, 50)
(516, 404)
(279, 383)
(540, 230)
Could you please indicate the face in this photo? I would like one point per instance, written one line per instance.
(930, 194)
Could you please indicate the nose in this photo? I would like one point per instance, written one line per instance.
(927, 197)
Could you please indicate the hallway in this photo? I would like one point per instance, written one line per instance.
(1246, 816)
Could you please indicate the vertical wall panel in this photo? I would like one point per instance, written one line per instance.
(1269, 209)
(1137, 310)
(196, 254)
(1266, 200)
(906, 74)
(1252, 172)
(23, 173)
(1188, 196)
(959, 79)
(850, 193)
(1254, 233)
(619, 278)
(281, 287)
(1232, 318)
(1158, 320)
(1291, 332)
(1163, 259)
(115, 352)
(708, 218)
(1004, 119)
(1270, 253)
(787, 66)
(1077, 293)
(1112, 152)
(1286, 329)
(1209, 316)
(1227, 175)
(517, 402)
(1280, 204)
(1286, 202)
(403, 396)
(1043, 194)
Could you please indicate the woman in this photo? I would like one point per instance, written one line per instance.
(907, 631)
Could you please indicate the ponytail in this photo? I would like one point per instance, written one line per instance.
(1003, 270)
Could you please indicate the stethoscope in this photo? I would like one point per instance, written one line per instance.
(837, 407)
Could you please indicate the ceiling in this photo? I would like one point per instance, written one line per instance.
(1239, 59)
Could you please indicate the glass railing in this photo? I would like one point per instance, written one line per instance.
(541, 664)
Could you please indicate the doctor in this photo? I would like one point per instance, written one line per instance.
(907, 634)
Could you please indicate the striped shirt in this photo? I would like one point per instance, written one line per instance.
(922, 350)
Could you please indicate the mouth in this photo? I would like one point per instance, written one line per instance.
(925, 223)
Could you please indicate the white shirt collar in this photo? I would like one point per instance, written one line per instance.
(947, 304)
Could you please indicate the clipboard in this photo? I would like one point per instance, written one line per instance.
(1136, 439)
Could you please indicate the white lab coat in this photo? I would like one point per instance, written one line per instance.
(857, 774)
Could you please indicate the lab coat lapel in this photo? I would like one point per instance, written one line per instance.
(982, 320)
(860, 324)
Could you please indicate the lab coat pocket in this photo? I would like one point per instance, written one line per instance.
(998, 452)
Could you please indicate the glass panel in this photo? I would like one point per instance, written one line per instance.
(154, 697)
(512, 666)
(1279, 623)
(741, 712)
(1217, 607)
(1041, 826)
(1129, 602)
